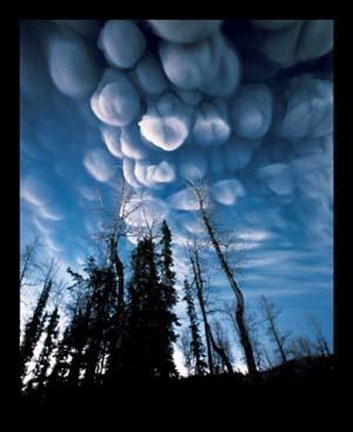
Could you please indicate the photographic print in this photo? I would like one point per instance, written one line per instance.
(176, 204)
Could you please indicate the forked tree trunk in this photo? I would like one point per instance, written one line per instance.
(239, 314)
(209, 336)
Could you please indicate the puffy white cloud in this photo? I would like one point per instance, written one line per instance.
(122, 43)
(185, 31)
(193, 66)
(164, 173)
(131, 144)
(154, 175)
(251, 112)
(99, 164)
(72, 65)
(145, 210)
(111, 137)
(211, 124)
(115, 101)
(183, 200)
(166, 123)
(129, 172)
(227, 191)
(228, 76)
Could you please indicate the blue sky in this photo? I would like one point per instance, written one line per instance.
(246, 105)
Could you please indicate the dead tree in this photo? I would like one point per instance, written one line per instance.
(252, 323)
(270, 314)
(211, 343)
(185, 344)
(28, 259)
(321, 343)
(201, 195)
(223, 343)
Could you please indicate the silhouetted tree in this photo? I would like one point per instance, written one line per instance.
(143, 345)
(320, 341)
(223, 343)
(186, 349)
(114, 229)
(168, 318)
(61, 367)
(202, 198)
(150, 318)
(252, 323)
(302, 346)
(270, 314)
(43, 363)
(28, 259)
(195, 360)
(210, 340)
(33, 329)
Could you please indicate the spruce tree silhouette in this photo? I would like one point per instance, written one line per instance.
(198, 363)
(150, 320)
(34, 329)
(40, 375)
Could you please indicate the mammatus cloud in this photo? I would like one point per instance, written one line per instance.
(181, 31)
(251, 112)
(34, 191)
(116, 101)
(122, 43)
(99, 165)
(287, 42)
(72, 64)
(239, 103)
(180, 88)
(246, 105)
(166, 123)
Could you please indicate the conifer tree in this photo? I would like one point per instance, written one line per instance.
(34, 328)
(169, 300)
(197, 349)
(50, 343)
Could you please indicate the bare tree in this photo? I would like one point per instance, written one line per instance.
(271, 314)
(321, 342)
(28, 259)
(197, 363)
(186, 348)
(223, 343)
(35, 325)
(211, 343)
(202, 196)
(301, 347)
(252, 323)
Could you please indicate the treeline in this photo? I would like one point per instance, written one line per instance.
(122, 325)
(110, 333)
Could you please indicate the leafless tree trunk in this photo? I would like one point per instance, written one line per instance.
(201, 195)
(321, 342)
(185, 346)
(270, 314)
(28, 259)
(210, 340)
(252, 324)
(222, 342)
